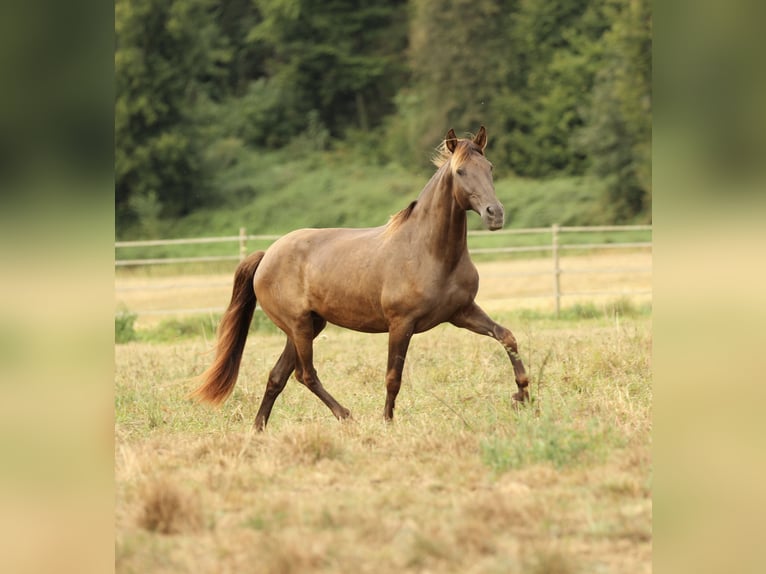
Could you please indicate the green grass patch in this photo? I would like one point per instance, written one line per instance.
(180, 328)
(205, 325)
(590, 310)
(202, 326)
(547, 437)
(124, 326)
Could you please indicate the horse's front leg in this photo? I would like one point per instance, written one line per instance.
(399, 336)
(473, 318)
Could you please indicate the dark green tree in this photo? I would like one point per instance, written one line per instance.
(337, 58)
(617, 135)
(458, 61)
(556, 51)
(169, 54)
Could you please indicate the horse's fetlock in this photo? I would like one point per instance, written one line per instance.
(521, 396)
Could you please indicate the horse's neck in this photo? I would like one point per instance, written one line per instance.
(441, 225)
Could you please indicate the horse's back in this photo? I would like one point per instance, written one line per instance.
(323, 248)
(334, 273)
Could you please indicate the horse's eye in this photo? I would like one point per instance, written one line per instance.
(460, 171)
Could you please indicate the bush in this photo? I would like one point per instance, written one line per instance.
(124, 326)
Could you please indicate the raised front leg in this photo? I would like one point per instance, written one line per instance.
(399, 336)
(475, 319)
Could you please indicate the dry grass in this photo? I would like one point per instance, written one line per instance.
(168, 510)
(499, 288)
(461, 482)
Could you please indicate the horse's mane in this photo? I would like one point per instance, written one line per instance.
(398, 218)
(463, 150)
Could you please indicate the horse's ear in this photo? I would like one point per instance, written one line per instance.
(481, 138)
(451, 140)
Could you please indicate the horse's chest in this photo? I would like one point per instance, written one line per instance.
(436, 300)
(457, 294)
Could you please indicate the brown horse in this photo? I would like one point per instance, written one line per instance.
(403, 278)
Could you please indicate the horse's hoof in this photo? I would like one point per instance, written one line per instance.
(522, 396)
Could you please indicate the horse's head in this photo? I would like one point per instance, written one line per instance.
(472, 178)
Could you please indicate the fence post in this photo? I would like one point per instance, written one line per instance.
(556, 268)
(242, 244)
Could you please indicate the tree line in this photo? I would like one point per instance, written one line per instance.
(563, 86)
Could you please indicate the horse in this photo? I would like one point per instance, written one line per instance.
(402, 278)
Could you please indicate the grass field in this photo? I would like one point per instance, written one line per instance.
(505, 284)
(460, 482)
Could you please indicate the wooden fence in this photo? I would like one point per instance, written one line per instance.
(556, 247)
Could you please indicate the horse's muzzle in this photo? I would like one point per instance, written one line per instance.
(493, 217)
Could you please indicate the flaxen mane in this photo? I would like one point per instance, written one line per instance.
(456, 159)
(398, 218)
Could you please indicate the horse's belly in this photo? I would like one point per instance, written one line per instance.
(351, 311)
(362, 324)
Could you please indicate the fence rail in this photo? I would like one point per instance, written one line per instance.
(554, 247)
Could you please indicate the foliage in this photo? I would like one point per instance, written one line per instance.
(321, 189)
(168, 55)
(124, 326)
(203, 87)
(336, 188)
(337, 58)
(618, 131)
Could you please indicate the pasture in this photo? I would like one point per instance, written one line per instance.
(460, 482)
(508, 283)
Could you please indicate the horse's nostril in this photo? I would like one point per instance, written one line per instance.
(490, 210)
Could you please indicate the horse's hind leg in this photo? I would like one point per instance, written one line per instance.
(305, 372)
(475, 319)
(277, 380)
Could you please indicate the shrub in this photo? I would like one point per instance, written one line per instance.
(124, 326)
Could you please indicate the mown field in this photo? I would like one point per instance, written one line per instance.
(505, 284)
(460, 482)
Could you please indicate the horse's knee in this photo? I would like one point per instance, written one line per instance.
(274, 387)
(310, 380)
(508, 341)
(393, 385)
(299, 376)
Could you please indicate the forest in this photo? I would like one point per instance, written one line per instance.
(214, 98)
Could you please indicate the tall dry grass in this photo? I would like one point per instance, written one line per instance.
(460, 482)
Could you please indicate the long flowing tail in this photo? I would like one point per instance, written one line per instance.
(218, 381)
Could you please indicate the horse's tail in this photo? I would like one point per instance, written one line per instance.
(218, 381)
